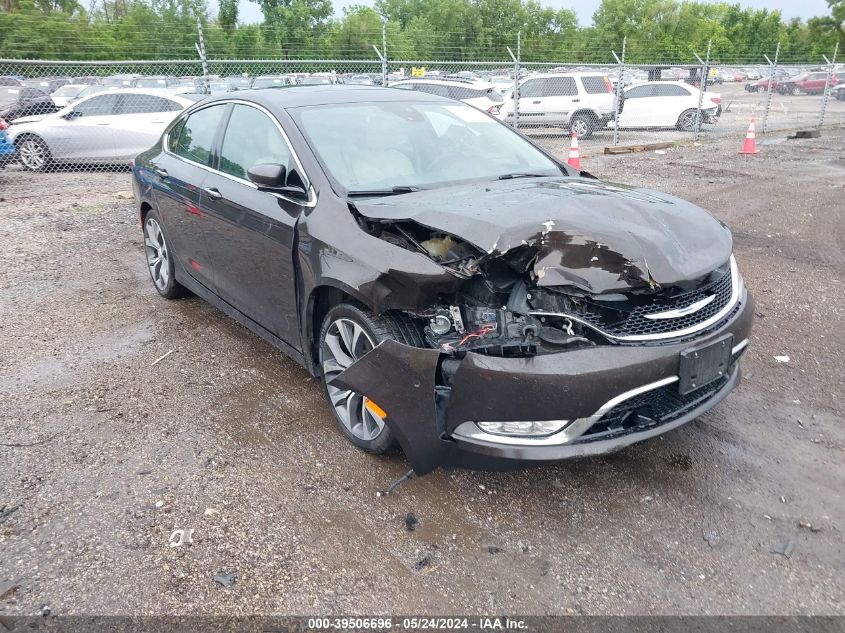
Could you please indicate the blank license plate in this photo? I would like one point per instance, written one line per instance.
(702, 365)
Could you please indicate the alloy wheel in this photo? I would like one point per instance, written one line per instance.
(344, 343)
(688, 120)
(158, 257)
(32, 154)
(580, 127)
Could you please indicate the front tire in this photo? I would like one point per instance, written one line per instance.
(688, 119)
(160, 258)
(33, 153)
(349, 332)
(583, 125)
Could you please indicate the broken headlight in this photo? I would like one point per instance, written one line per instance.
(534, 428)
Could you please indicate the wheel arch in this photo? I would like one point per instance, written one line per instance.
(592, 114)
(322, 299)
(27, 134)
(145, 208)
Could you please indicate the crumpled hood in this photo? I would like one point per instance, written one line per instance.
(598, 236)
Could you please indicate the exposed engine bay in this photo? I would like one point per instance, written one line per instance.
(503, 308)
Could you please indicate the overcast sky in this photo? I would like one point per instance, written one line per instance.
(249, 11)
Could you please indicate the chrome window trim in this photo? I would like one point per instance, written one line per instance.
(312, 196)
(736, 291)
(576, 429)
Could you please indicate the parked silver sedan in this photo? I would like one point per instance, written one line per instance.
(105, 128)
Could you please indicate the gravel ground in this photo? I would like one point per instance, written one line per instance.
(104, 453)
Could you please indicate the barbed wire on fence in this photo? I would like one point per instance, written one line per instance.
(101, 113)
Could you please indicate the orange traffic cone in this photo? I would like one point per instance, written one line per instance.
(574, 155)
(750, 144)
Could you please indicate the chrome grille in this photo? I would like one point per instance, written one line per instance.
(633, 323)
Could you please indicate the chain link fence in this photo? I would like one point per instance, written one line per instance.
(100, 114)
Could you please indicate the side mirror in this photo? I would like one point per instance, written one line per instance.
(73, 114)
(273, 179)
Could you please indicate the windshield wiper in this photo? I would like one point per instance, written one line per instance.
(522, 175)
(393, 191)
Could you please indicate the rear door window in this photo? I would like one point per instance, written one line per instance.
(145, 104)
(196, 137)
(560, 87)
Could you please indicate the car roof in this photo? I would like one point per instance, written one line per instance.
(299, 96)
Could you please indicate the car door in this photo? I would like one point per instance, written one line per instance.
(85, 132)
(816, 82)
(182, 170)
(140, 122)
(560, 99)
(635, 110)
(667, 103)
(251, 232)
(531, 93)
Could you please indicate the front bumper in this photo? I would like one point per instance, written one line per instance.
(432, 409)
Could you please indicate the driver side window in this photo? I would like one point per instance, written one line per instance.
(101, 105)
(251, 139)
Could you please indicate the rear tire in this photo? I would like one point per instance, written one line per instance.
(349, 332)
(33, 153)
(160, 259)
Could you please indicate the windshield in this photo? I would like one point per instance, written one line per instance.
(377, 146)
(91, 90)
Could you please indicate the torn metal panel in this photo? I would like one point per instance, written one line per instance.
(408, 397)
(573, 231)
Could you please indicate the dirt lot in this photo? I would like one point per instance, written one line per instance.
(105, 454)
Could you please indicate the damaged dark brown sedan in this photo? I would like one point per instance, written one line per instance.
(461, 292)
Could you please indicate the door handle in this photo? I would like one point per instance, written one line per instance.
(103, 123)
(575, 100)
(535, 102)
(162, 173)
(213, 193)
(157, 121)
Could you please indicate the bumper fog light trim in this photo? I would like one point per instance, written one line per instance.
(523, 428)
